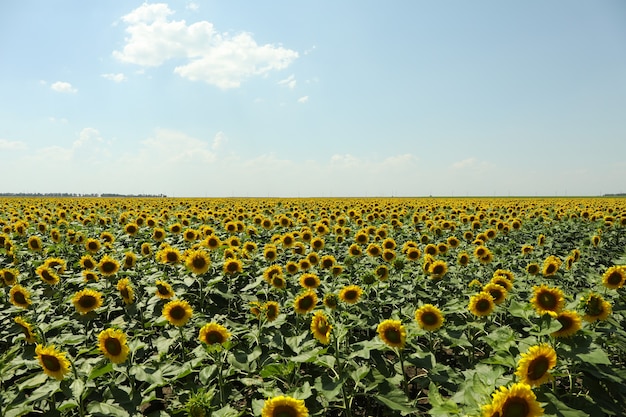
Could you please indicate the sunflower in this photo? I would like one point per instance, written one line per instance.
(336, 270)
(27, 329)
(373, 250)
(527, 249)
(438, 269)
(53, 362)
(126, 291)
(176, 228)
(283, 406)
(270, 252)
(163, 290)
(87, 300)
(272, 310)
(550, 266)
(429, 317)
(481, 304)
(108, 266)
(107, 238)
(305, 302)
(393, 333)
(112, 344)
(213, 333)
(350, 294)
(431, 249)
(331, 300)
(413, 254)
(34, 243)
(9, 276)
(534, 365)
(321, 328)
(388, 255)
(232, 266)
(313, 258)
(177, 312)
(570, 324)
(131, 229)
(505, 273)
(198, 261)
(146, 249)
(291, 267)
(541, 240)
(382, 272)
(278, 282)
(90, 276)
(596, 308)
(19, 296)
(48, 276)
(92, 245)
(327, 261)
(547, 300)
(497, 291)
(158, 234)
(130, 259)
(463, 259)
(169, 255)
(518, 400)
(309, 281)
(532, 268)
(614, 277)
(87, 262)
(304, 264)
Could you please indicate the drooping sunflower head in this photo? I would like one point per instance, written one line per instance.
(126, 291)
(47, 275)
(87, 300)
(112, 343)
(305, 302)
(90, 276)
(481, 304)
(533, 367)
(596, 308)
(570, 324)
(27, 329)
(53, 362)
(614, 277)
(547, 300)
(350, 294)
(429, 317)
(213, 333)
(108, 266)
(393, 333)
(177, 312)
(272, 310)
(551, 265)
(320, 327)
(283, 406)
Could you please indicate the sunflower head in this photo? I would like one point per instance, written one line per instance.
(497, 291)
(283, 406)
(198, 261)
(27, 329)
(305, 302)
(614, 277)
(87, 300)
(481, 304)
(393, 333)
(177, 312)
(47, 275)
(272, 310)
(596, 308)
(112, 344)
(438, 269)
(213, 334)
(429, 317)
(126, 291)
(164, 290)
(518, 400)
(350, 294)
(19, 296)
(232, 266)
(309, 281)
(547, 300)
(53, 362)
(570, 324)
(534, 365)
(331, 300)
(108, 266)
(320, 327)
(9, 276)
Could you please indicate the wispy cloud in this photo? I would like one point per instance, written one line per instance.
(221, 59)
(118, 78)
(63, 87)
(12, 145)
(289, 82)
(303, 99)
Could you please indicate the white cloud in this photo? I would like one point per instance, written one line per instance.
(219, 59)
(192, 6)
(63, 87)
(118, 78)
(171, 146)
(12, 145)
(87, 135)
(303, 99)
(219, 139)
(289, 82)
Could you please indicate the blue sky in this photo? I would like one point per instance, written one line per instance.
(350, 98)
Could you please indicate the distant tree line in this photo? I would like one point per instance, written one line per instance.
(615, 195)
(79, 195)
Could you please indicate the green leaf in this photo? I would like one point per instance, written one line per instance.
(328, 387)
(440, 407)
(101, 370)
(206, 374)
(106, 409)
(558, 408)
(277, 369)
(303, 392)
(34, 381)
(77, 387)
(597, 356)
(393, 398)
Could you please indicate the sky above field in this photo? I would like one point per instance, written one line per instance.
(324, 98)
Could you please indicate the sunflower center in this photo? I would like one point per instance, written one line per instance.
(310, 282)
(113, 346)
(19, 297)
(306, 303)
(393, 335)
(483, 305)
(108, 267)
(172, 257)
(614, 279)
(162, 289)
(551, 269)
(496, 294)
(271, 312)
(51, 363)
(199, 262)
(233, 267)
(284, 411)
(124, 292)
(515, 407)
(87, 301)
(351, 295)
(438, 270)
(547, 300)
(177, 313)
(566, 322)
(214, 337)
(538, 367)
(278, 282)
(93, 246)
(45, 274)
(594, 307)
(429, 318)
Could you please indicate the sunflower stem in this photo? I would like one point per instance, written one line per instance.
(346, 402)
(182, 343)
(405, 384)
(220, 378)
(79, 400)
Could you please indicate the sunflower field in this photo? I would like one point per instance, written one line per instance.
(313, 307)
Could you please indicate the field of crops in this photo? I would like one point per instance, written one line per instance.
(313, 307)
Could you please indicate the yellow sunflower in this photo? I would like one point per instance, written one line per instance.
(320, 327)
(108, 266)
(518, 400)
(53, 362)
(27, 329)
(350, 294)
(9, 276)
(87, 262)
(550, 266)
(213, 333)
(279, 282)
(112, 344)
(92, 245)
(126, 291)
(47, 275)
(596, 308)
(87, 300)
(547, 300)
(163, 290)
(570, 324)
(463, 259)
(497, 291)
(291, 267)
(481, 304)
(198, 261)
(309, 281)
(130, 259)
(158, 234)
(283, 406)
(429, 317)
(533, 367)
(19, 296)
(169, 255)
(327, 261)
(90, 276)
(177, 312)
(438, 269)
(382, 272)
(374, 250)
(305, 302)
(272, 310)
(614, 277)
(232, 266)
(331, 300)
(393, 333)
